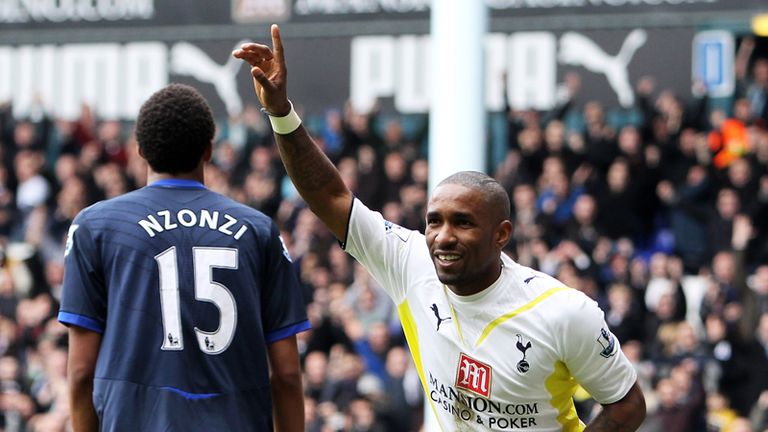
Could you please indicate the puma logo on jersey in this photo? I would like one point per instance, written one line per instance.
(528, 279)
(437, 314)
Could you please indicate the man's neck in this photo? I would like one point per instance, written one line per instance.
(196, 175)
(481, 285)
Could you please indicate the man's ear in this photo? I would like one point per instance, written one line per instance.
(208, 152)
(503, 233)
(141, 152)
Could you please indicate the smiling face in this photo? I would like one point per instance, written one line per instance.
(465, 234)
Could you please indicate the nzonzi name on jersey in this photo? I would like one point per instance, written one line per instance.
(167, 220)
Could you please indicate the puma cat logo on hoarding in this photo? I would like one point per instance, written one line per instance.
(578, 50)
(187, 59)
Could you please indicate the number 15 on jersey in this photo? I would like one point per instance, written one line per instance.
(205, 259)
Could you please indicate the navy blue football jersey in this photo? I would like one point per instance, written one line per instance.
(188, 288)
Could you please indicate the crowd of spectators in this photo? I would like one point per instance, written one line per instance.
(663, 221)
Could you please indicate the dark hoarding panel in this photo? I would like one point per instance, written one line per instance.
(57, 14)
(326, 72)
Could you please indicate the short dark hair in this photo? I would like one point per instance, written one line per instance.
(174, 128)
(495, 195)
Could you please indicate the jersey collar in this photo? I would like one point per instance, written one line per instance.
(178, 183)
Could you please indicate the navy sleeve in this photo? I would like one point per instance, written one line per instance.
(283, 309)
(84, 294)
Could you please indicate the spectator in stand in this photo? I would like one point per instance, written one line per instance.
(7, 205)
(664, 279)
(753, 87)
(673, 412)
(679, 157)
(599, 138)
(555, 204)
(556, 146)
(395, 141)
(395, 176)
(720, 416)
(33, 189)
(686, 205)
(740, 177)
(582, 228)
(402, 390)
(623, 314)
(643, 161)
(660, 328)
(315, 374)
(725, 293)
(721, 220)
(527, 222)
(369, 172)
(618, 202)
(531, 150)
(360, 129)
(755, 298)
(756, 356)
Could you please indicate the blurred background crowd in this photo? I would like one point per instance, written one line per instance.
(658, 212)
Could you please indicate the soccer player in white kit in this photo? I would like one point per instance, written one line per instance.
(498, 346)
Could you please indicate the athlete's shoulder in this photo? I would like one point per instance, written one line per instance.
(532, 280)
(250, 212)
(132, 198)
(555, 300)
(261, 223)
(208, 201)
(106, 209)
(568, 307)
(361, 216)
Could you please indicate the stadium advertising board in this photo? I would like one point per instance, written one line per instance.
(116, 68)
(26, 14)
(116, 77)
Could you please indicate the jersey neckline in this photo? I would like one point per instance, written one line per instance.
(477, 297)
(506, 264)
(178, 183)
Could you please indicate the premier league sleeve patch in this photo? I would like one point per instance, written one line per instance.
(285, 249)
(608, 343)
(401, 233)
(70, 238)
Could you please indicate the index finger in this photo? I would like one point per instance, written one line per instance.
(277, 44)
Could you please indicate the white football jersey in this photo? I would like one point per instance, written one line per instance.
(506, 359)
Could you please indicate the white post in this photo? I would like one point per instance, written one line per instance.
(457, 136)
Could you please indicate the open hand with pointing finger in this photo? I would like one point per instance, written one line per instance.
(269, 73)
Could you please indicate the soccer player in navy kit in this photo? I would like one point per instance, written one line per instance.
(182, 304)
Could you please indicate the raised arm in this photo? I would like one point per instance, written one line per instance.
(315, 177)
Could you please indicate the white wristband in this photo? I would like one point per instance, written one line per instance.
(285, 124)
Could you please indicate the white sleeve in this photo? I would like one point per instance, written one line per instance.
(388, 251)
(591, 352)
